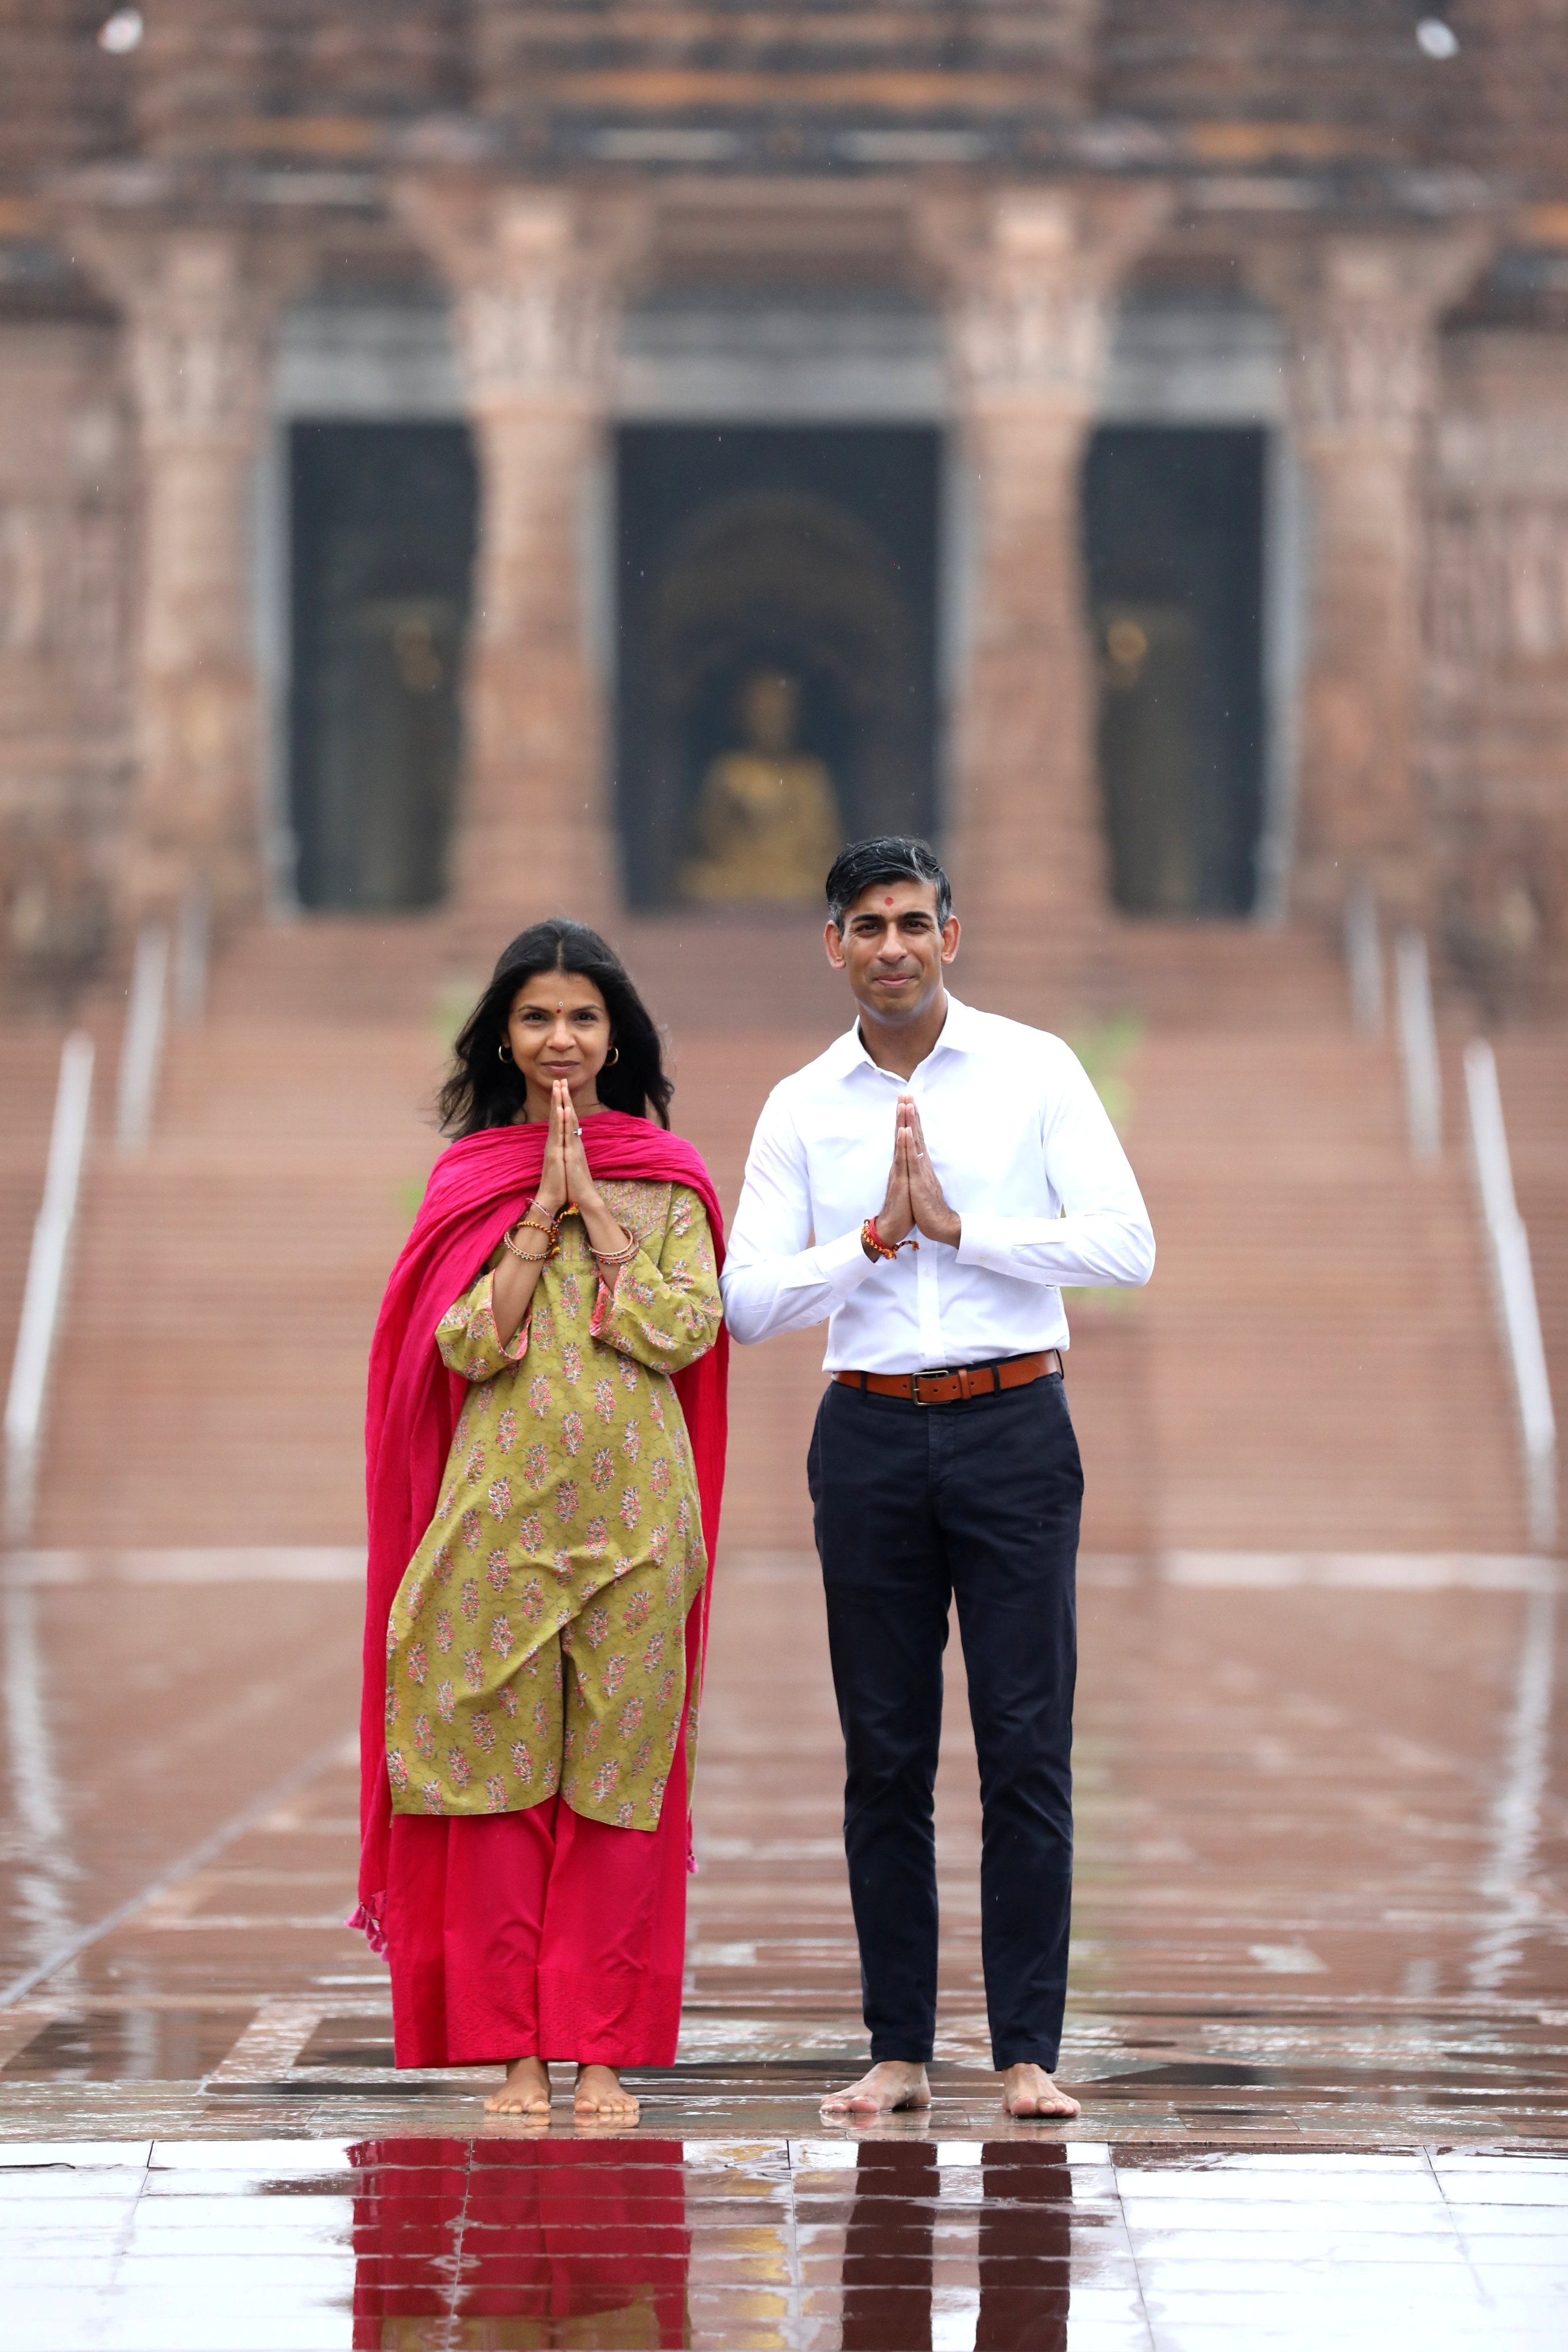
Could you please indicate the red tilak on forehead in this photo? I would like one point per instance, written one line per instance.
(887, 902)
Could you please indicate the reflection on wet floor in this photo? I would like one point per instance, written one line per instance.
(1318, 2013)
(1023, 2250)
(900, 2243)
(526, 2242)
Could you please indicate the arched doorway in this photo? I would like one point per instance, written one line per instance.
(382, 526)
(764, 552)
(1174, 538)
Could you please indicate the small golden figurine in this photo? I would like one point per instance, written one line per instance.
(767, 820)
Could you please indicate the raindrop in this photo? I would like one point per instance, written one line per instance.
(121, 32)
(1436, 39)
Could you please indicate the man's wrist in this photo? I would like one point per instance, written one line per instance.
(878, 1241)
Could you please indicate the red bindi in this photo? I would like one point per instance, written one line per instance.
(887, 902)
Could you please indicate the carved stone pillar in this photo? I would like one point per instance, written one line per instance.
(66, 481)
(1361, 313)
(1030, 279)
(537, 274)
(199, 306)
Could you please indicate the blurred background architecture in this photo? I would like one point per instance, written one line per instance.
(424, 419)
(467, 459)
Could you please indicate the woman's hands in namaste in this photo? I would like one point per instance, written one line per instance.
(565, 1180)
(555, 1177)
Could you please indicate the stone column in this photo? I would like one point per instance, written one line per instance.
(1030, 279)
(66, 482)
(537, 274)
(1361, 313)
(199, 306)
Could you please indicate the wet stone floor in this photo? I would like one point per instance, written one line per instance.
(1317, 2015)
(902, 2242)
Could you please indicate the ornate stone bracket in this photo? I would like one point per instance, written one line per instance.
(1028, 277)
(539, 275)
(1362, 310)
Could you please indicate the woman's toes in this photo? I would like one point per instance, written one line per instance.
(598, 2098)
(525, 2092)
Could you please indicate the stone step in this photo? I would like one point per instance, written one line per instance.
(1315, 1365)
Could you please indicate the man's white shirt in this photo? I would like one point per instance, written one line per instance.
(1025, 1154)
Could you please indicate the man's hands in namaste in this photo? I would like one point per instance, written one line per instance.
(914, 1201)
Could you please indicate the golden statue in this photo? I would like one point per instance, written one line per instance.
(767, 821)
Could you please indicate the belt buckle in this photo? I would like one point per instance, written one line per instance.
(915, 1381)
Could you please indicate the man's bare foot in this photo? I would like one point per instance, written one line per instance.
(1028, 2090)
(895, 2082)
(525, 2092)
(598, 2098)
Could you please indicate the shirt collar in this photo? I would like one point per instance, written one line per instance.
(957, 1037)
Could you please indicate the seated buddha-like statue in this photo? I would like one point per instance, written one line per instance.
(767, 823)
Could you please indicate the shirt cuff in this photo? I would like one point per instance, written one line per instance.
(841, 1265)
(986, 1240)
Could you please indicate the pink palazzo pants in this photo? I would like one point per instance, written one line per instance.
(538, 1934)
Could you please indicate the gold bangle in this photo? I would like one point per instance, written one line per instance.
(623, 1256)
(526, 1257)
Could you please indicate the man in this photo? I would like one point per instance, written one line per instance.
(925, 1186)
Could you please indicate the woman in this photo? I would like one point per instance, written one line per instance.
(545, 1454)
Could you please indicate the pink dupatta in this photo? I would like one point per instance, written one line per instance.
(479, 1187)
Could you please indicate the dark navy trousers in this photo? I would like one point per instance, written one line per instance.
(918, 1505)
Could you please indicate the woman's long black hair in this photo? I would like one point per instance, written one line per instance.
(481, 1090)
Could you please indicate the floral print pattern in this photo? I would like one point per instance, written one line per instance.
(589, 1533)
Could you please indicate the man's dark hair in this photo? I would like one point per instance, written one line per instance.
(889, 858)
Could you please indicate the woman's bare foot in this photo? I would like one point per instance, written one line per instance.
(525, 2092)
(895, 2082)
(1028, 2090)
(598, 2098)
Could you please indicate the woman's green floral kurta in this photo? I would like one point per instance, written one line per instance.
(537, 1639)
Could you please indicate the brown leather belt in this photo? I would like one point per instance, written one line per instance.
(956, 1387)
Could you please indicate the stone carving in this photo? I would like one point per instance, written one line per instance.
(200, 308)
(64, 543)
(200, 305)
(1363, 310)
(1029, 276)
(1498, 579)
(537, 274)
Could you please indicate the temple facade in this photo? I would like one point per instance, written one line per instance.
(498, 454)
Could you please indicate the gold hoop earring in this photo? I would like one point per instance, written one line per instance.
(612, 1056)
(502, 1051)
